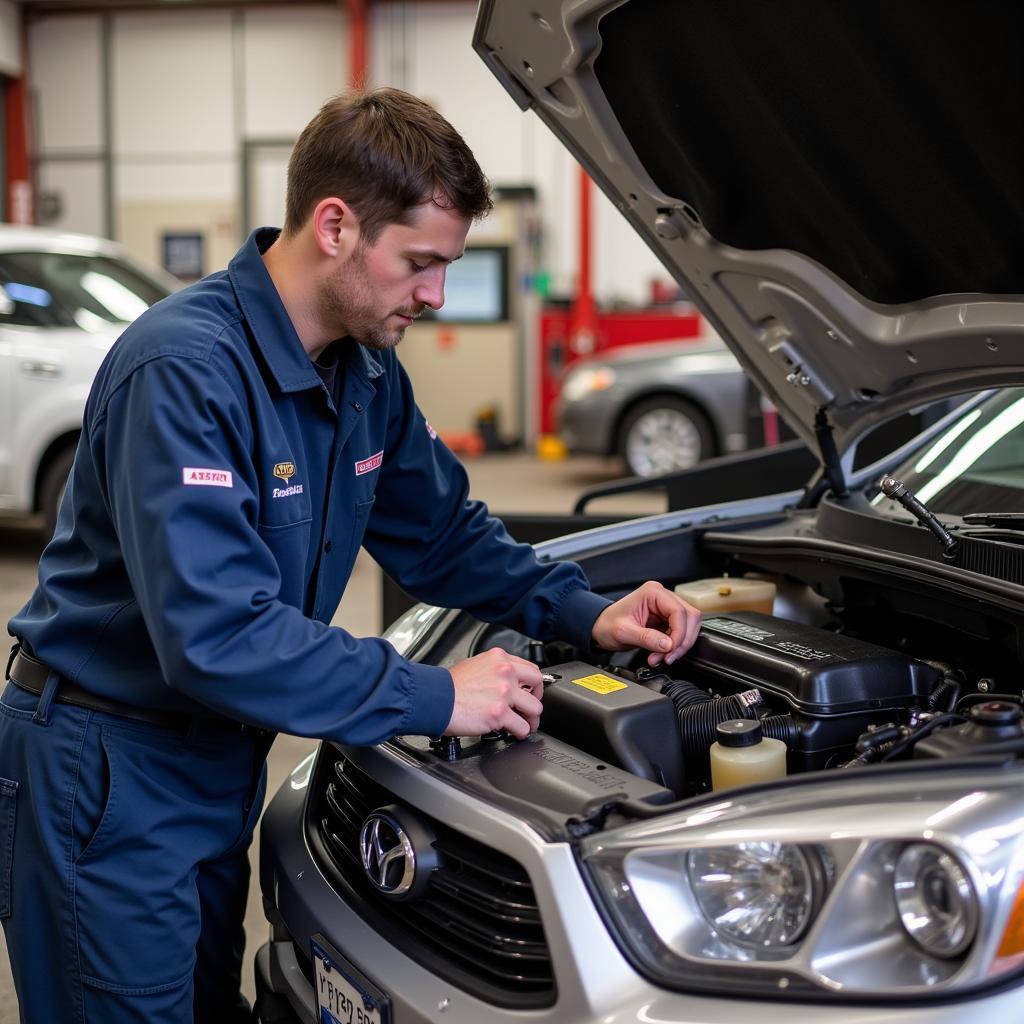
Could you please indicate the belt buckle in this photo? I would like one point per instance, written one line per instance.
(15, 651)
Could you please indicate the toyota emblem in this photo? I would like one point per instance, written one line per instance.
(387, 853)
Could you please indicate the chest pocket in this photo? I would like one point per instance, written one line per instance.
(285, 503)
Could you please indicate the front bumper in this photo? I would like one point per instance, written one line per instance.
(595, 982)
(585, 427)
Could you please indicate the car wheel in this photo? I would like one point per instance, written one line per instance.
(51, 490)
(663, 435)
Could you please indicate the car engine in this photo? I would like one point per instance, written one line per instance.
(834, 700)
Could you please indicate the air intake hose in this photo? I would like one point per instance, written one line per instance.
(700, 713)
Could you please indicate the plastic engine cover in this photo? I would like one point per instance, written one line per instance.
(629, 725)
(815, 671)
(834, 686)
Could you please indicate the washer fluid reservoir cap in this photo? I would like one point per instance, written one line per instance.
(996, 713)
(739, 732)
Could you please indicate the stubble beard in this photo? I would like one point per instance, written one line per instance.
(347, 301)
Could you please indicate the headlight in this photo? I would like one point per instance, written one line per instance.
(580, 383)
(936, 900)
(887, 884)
(760, 894)
(408, 631)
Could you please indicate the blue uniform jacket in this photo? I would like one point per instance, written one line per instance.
(215, 510)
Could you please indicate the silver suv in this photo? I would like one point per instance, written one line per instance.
(838, 185)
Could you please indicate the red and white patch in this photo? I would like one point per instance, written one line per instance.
(431, 431)
(196, 477)
(370, 464)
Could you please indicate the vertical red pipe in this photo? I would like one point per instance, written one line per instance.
(584, 319)
(20, 197)
(357, 30)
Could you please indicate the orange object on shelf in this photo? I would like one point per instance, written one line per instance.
(466, 442)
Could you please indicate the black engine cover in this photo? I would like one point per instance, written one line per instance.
(834, 686)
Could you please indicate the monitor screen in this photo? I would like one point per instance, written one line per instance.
(476, 288)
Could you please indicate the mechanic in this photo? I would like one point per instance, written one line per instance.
(241, 440)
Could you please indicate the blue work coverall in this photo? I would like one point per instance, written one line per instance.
(213, 515)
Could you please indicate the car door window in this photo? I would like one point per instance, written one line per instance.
(24, 299)
(54, 289)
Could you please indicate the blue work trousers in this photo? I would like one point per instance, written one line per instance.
(124, 864)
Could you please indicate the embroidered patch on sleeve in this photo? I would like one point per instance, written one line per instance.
(207, 477)
(370, 464)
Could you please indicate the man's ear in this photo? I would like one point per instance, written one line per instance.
(335, 228)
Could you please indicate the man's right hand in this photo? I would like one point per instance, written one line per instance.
(495, 690)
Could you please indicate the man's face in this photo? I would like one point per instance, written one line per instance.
(381, 288)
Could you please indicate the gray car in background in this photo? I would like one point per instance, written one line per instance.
(661, 407)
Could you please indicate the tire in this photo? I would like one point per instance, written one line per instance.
(664, 434)
(51, 489)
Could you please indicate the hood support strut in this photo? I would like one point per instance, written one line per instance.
(833, 467)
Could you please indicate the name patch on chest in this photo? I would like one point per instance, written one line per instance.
(370, 464)
(287, 492)
(196, 477)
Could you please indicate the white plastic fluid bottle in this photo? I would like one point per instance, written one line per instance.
(743, 756)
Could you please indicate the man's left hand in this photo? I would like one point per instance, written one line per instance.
(652, 618)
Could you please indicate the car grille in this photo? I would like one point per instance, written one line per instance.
(477, 925)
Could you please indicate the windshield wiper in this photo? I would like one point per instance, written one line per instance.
(997, 520)
(897, 490)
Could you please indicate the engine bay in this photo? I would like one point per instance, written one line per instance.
(826, 696)
(864, 657)
(835, 698)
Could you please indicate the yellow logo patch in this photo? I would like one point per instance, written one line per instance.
(284, 471)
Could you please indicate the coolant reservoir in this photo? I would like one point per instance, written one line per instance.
(742, 756)
(729, 594)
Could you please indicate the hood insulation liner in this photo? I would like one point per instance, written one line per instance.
(883, 140)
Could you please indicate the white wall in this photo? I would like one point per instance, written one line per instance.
(294, 60)
(10, 39)
(66, 77)
(190, 87)
(67, 85)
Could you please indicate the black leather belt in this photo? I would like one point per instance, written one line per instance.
(31, 674)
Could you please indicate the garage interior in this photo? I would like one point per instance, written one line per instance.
(168, 127)
(834, 187)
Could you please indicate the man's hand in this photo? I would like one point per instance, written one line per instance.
(653, 618)
(495, 690)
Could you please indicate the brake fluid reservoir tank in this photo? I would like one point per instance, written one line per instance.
(729, 594)
(743, 756)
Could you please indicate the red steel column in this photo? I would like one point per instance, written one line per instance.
(20, 194)
(583, 330)
(357, 28)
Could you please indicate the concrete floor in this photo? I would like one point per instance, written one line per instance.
(508, 483)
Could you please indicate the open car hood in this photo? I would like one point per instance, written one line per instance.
(839, 186)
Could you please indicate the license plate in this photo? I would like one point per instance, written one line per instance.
(344, 994)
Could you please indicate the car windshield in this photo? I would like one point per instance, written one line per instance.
(60, 289)
(977, 465)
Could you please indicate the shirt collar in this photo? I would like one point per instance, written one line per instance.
(267, 318)
(363, 360)
(272, 327)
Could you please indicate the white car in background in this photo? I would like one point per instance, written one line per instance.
(64, 299)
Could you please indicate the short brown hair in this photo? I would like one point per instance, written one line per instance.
(383, 152)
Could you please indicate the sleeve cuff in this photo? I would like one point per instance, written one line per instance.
(433, 700)
(577, 615)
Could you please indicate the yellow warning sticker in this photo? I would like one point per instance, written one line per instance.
(601, 683)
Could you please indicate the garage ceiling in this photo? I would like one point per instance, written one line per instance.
(78, 6)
